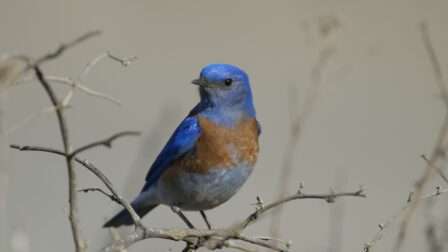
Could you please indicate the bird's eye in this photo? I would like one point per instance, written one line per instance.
(228, 82)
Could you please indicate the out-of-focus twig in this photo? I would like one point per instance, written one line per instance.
(436, 168)
(368, 247)
(9, 71)
(30, 118)
(76, 85)
(327, 26)
(438, 147)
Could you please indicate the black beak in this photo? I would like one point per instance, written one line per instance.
(200, 82)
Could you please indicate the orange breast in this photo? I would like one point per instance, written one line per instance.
(219, 146)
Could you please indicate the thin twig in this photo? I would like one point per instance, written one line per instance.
(106, 142)
(75, 85)
(97, 189)
(30, 118)
(389, 223)
(123, 61)
(91, 64)
(127, 61)
(330, 198)
(65, 46)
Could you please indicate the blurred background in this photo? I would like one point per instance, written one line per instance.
(375, 110)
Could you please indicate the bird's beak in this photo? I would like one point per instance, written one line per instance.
(200, 82)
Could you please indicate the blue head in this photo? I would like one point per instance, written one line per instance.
(225, 88)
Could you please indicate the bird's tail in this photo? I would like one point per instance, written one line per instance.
(124, 218)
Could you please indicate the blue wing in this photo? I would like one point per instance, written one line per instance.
(182, 141)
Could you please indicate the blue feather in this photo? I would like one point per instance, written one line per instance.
(180, 143)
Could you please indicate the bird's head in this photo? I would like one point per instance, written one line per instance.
(225, 86)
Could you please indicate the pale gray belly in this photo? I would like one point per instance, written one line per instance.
(196, 191)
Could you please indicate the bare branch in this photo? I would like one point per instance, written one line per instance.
(216, 238)
(389, 223)
(73, 198)
(267, 242)
(330, 198)
(106, 142)
(95, 171)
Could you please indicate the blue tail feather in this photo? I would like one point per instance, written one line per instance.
(124, 218)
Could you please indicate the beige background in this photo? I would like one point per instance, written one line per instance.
(378, 109)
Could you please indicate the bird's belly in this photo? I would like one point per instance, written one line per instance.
(202, 191)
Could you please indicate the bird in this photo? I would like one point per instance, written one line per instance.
(211, 153)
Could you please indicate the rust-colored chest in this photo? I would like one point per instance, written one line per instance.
(220, 146)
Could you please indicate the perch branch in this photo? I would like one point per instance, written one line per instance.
(216, 238)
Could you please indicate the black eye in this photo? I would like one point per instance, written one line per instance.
(228, 82)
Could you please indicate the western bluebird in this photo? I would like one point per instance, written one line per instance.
(210, 154)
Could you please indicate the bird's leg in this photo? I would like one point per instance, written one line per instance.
(205, 219)
(177, 210)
